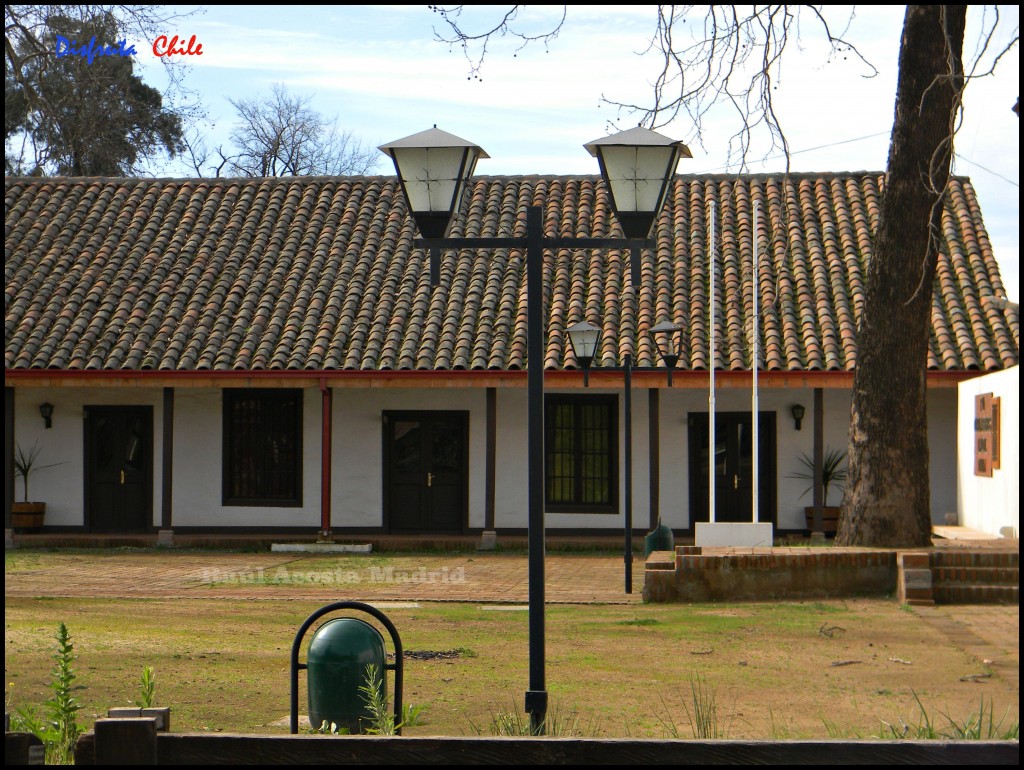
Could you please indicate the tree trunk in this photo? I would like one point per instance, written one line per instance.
(887, 502)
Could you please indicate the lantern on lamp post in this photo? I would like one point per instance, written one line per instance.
(433, 168)
(637, 165)
(666, 338)
(584, 337)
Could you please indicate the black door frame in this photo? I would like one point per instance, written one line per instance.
(146, 413)
(462, 417)
(767, 471)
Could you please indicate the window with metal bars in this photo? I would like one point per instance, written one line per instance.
(262, 447)
(580, 447)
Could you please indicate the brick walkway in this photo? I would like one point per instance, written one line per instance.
(484, 578)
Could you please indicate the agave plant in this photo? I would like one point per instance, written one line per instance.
(833, 471)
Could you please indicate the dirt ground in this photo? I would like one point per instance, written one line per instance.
(217, 628)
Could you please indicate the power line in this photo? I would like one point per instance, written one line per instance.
(860, 139)
(993, 173)
(808, 149)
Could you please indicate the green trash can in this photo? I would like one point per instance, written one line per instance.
(659, 539)
(338, 655)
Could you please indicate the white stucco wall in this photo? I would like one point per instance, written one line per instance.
(357, 491)
(510, 506)
(357, 454)
(990, 504)
(357, 486)
(62, 488)
(198, 460)
(674, 494)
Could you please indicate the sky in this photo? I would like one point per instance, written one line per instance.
(381, 72)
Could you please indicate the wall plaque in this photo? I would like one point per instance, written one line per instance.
(986, 434)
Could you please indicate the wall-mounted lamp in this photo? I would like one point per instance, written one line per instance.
(46, 410)
(584, 337)
(798, 414)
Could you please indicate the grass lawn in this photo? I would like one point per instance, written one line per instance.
(787, 670)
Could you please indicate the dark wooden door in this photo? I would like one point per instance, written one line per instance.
(426, 471)
(119, 468)
(734, 466)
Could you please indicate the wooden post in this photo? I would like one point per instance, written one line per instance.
(8, 455)
(489, 460)
(126, 741)
(326, 438)
(162, 715)
(819, 459)
(654, 455)
(23, 749)
(167, 468)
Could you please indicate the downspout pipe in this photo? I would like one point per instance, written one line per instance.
(325, 459)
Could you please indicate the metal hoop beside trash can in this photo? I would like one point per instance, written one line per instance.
(336, 663)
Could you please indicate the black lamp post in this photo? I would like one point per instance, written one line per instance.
(584, 337)
(434, 168)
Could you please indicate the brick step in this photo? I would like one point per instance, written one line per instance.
(988, 576)
(975, 559)
(661, 560)
(966, 594)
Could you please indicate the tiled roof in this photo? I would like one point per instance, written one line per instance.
(321, 273)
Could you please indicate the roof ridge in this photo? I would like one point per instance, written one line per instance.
(128, 180)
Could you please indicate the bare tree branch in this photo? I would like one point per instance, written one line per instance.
(729, 58)
(725, 56)
(506, 27)
(283, 136)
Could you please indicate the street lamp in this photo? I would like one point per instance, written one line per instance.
(666, 338)
(584, 337)
(638, 166)
(434, 168)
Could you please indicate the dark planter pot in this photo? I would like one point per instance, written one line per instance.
(829, 519)
(27, 515)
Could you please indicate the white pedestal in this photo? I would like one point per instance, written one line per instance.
(321, 547)
(744, 534)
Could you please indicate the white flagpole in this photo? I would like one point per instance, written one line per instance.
(755, 334)
(711, 368)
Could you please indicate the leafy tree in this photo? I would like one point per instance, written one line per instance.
(65, 115)
(281, 135)
(734, 56)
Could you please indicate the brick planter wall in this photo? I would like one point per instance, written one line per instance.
(777, 573)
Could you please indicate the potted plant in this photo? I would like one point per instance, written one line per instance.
(26, 514)
(833, 472)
